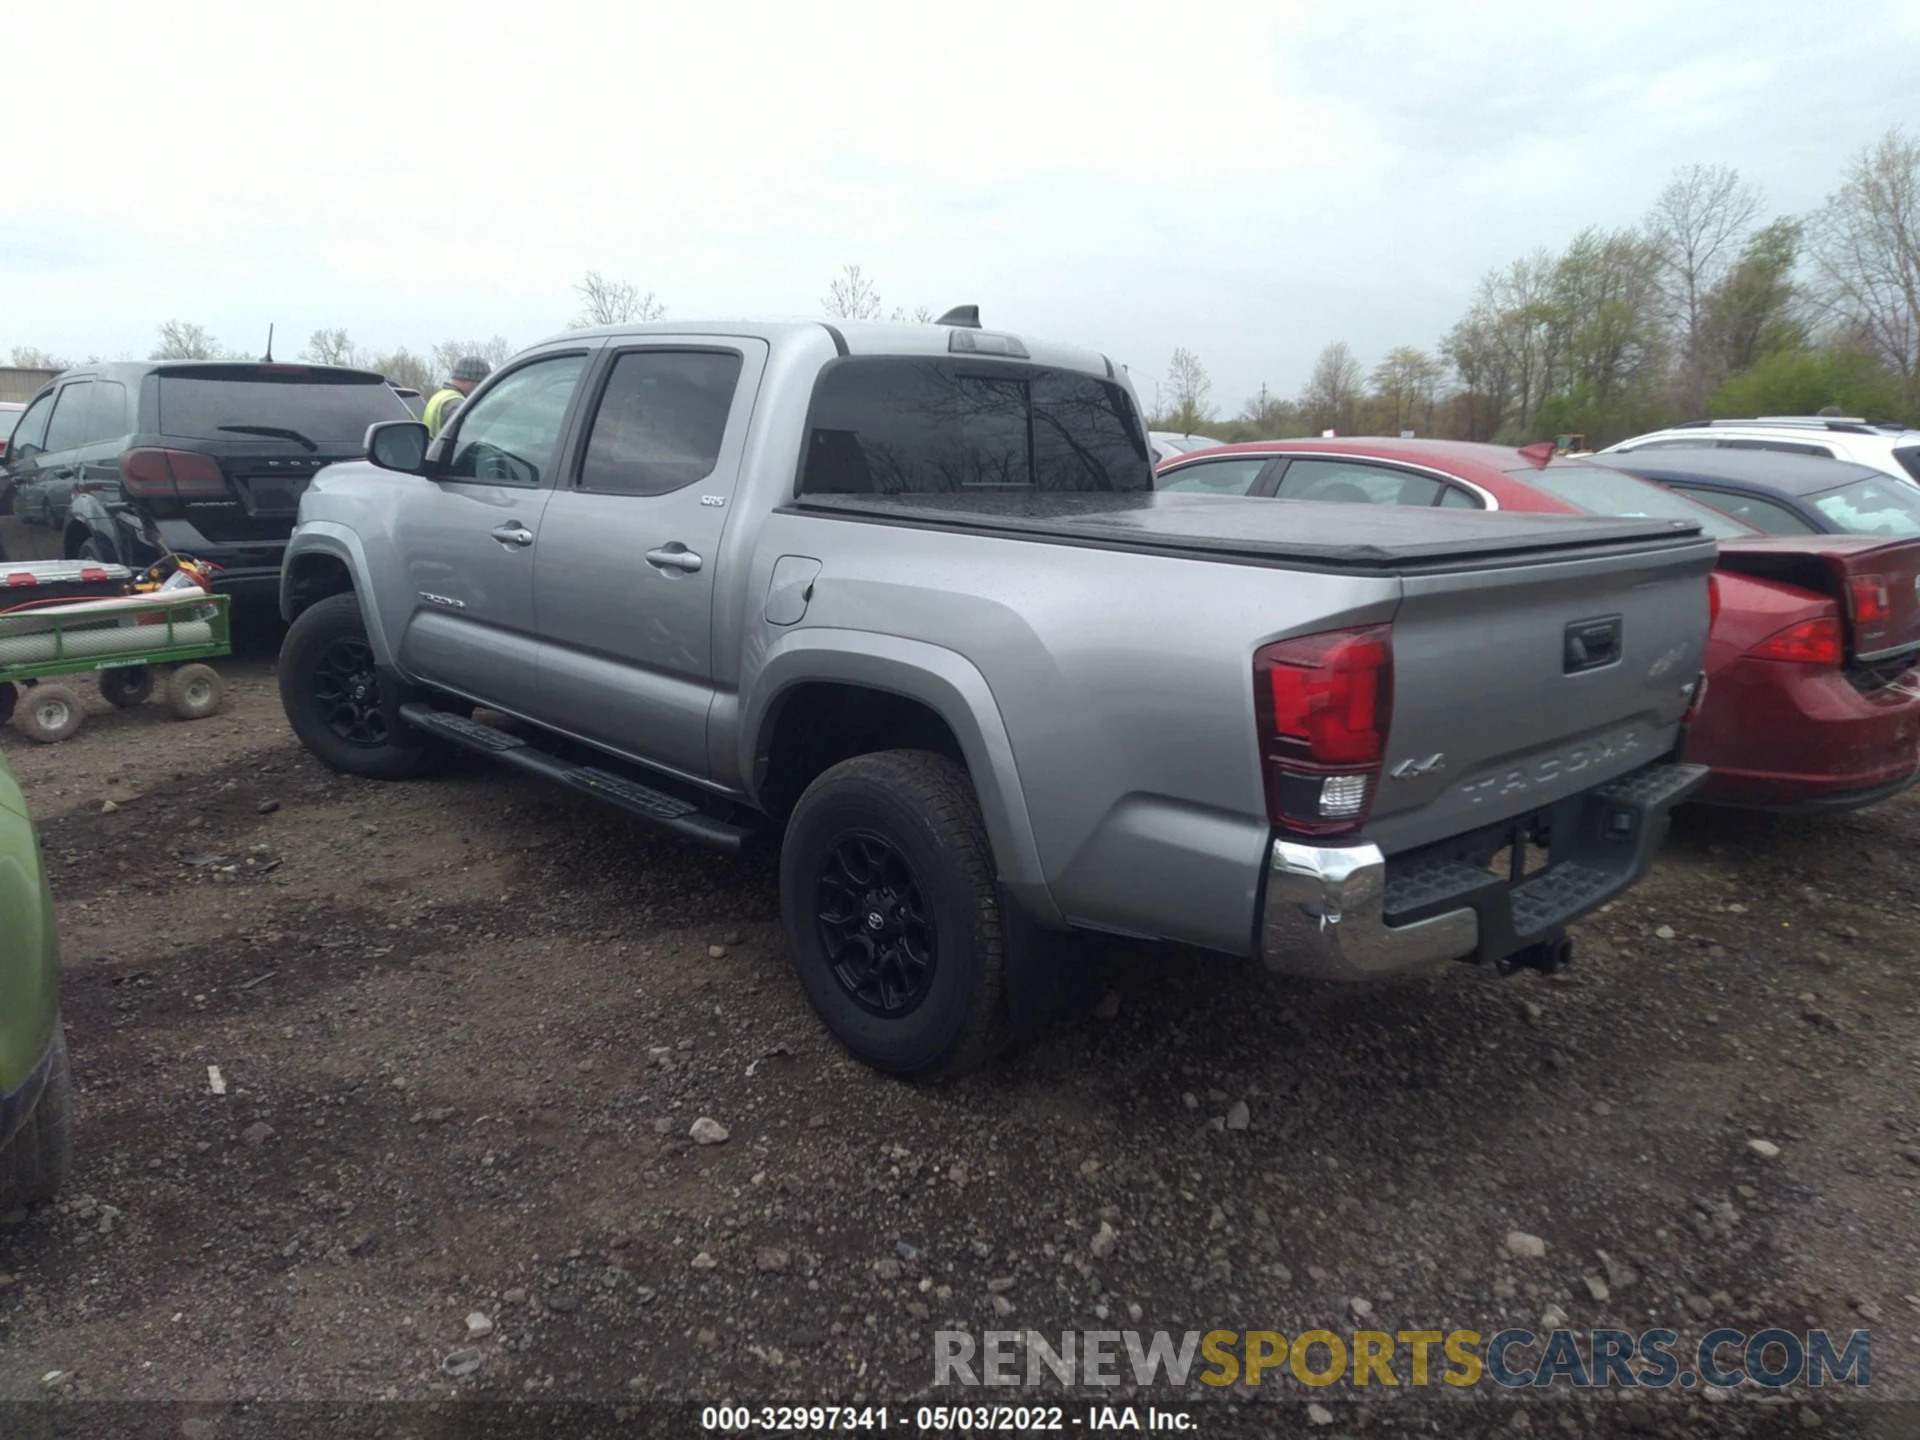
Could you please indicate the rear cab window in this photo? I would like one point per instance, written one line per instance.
(331, 408)
(911, 426)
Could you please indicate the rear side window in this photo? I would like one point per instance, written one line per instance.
(69, 421)
(107, 413)
(1352, 484)
(1764, 515)
(897, 426)
(1608, 492)
(1215, 477)
(1788, 447)
(237, 403)
(1872, 507)
(661, 419)
(1909, 458)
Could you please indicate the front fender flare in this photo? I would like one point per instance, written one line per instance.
(325, 537)
(947, 683)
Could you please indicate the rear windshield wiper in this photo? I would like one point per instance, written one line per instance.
(274, 432)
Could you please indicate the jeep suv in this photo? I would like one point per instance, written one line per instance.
(208, 458)
(1884, 446)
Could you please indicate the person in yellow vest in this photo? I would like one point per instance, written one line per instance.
(469, 372)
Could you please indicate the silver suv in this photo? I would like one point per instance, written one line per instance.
(1887, 447)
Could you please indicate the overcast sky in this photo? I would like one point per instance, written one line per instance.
(1250, 181)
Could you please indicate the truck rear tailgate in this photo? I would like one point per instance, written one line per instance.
(1493, 716)
(1518, 685)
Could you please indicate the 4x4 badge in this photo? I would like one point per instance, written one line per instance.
(1413, 769)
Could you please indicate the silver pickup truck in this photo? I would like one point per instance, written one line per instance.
(905, 598)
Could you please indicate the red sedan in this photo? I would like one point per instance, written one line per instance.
(1813, 698)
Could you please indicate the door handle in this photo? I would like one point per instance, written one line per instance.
(674, 557)
(512, 533)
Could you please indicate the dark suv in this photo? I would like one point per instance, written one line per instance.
(207, 458)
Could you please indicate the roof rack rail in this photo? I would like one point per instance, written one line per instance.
(1692, 424)
(1844, 424)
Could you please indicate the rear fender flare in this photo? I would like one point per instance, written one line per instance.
(946, 683)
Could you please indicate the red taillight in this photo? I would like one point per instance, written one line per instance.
(1713, 599)
(1811, 642)
(151, 474)
(1324, 703)
(1868, 597)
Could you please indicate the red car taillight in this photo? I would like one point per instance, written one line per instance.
(151, 474)
(1324, 704)
(1811, 642)
(1867, 597)
(1713, 599)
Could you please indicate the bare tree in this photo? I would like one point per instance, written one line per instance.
(1403, 386)
(1696, 231)
(1866, 252)
(613, 302)
(32, 357)
(1188, 389)
(403, 367)
(1756, 309)
(1331, 398)
(332, 347)
(921, 315)
(183, 340)
(449, 353)
(852, 297)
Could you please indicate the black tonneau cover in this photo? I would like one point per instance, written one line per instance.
(1310, 532)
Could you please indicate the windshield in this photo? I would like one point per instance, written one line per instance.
(1187, 444)
(334, 410)
(1608, 492)
(1872, 507)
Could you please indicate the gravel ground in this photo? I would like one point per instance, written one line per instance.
(466, 1027)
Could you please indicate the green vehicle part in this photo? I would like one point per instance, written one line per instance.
(35, 1086)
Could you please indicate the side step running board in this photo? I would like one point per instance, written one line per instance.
(667, 812)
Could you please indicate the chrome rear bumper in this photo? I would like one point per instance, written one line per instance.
(1345, 912)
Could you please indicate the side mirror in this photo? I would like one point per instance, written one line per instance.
(398, 445)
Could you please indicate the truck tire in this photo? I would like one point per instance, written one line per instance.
(337, 703)
(34, 1164)
(888, 895)
(52, 713)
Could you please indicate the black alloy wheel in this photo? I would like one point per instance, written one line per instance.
(875, 926)
(346, 689)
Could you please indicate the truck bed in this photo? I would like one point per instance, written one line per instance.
(1308, 534)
